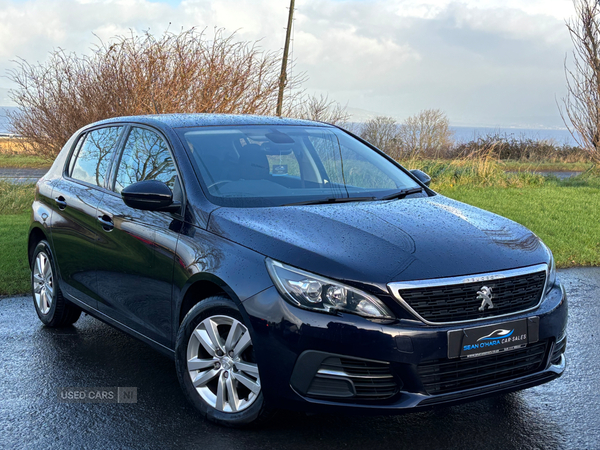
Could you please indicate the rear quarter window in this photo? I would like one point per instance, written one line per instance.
(91, 159)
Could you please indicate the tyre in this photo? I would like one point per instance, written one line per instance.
(216, 367)
(51, 307)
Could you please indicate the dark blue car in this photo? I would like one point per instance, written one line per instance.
(288, 264)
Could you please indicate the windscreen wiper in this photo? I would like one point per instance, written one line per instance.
(402, 193)
(324, 201)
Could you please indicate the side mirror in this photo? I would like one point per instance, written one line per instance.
(421, 176)
(150, 195)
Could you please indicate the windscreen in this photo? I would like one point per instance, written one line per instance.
(251, 165)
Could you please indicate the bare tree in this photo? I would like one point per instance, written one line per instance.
(582, 102)
(318, 108)
(426, 133)
(383, 133)
(142, 74)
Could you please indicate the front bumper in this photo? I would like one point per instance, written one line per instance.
(295, 347)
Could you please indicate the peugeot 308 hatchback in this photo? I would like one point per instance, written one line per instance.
(288, 264)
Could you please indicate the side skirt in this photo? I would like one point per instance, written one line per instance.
(118, 325)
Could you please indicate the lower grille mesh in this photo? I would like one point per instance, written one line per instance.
(443, 376)
(366, 380)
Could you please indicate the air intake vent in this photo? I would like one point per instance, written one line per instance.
(443, 376)
(353, 378)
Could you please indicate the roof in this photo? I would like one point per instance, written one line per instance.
(202, 120)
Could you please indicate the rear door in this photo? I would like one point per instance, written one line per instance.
(136, 252)
(76, 229)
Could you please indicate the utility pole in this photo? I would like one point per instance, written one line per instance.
(286, 48)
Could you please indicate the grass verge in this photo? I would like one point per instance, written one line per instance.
(14, 268)
(15, 204)
(23, 162)
(16, 198)
(477, 172)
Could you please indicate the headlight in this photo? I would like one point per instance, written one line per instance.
(313, 292)
(551, 275)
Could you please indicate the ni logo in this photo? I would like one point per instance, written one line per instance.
(485, 295)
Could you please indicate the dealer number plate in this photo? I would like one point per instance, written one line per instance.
(489, 339)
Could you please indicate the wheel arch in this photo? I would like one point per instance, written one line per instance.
(201, 287)
(36, 235)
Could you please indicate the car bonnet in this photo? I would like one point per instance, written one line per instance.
(375, 243)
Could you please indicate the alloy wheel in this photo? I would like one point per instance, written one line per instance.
(43, 282)
(221, 365)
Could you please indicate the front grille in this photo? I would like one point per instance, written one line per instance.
(353, 378)
(442, 376)
(460, 302)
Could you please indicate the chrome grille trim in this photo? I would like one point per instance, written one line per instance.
(395, 287)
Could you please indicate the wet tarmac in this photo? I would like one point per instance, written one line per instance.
(36, 362)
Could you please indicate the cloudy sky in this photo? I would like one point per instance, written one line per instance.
(495, 63)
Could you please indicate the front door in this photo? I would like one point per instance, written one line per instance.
(135, 276)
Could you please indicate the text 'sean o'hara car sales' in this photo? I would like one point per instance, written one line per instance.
(288, 264)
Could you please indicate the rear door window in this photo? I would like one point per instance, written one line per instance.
(93, 156)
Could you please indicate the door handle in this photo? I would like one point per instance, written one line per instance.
(107, 223)
(61, 202)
